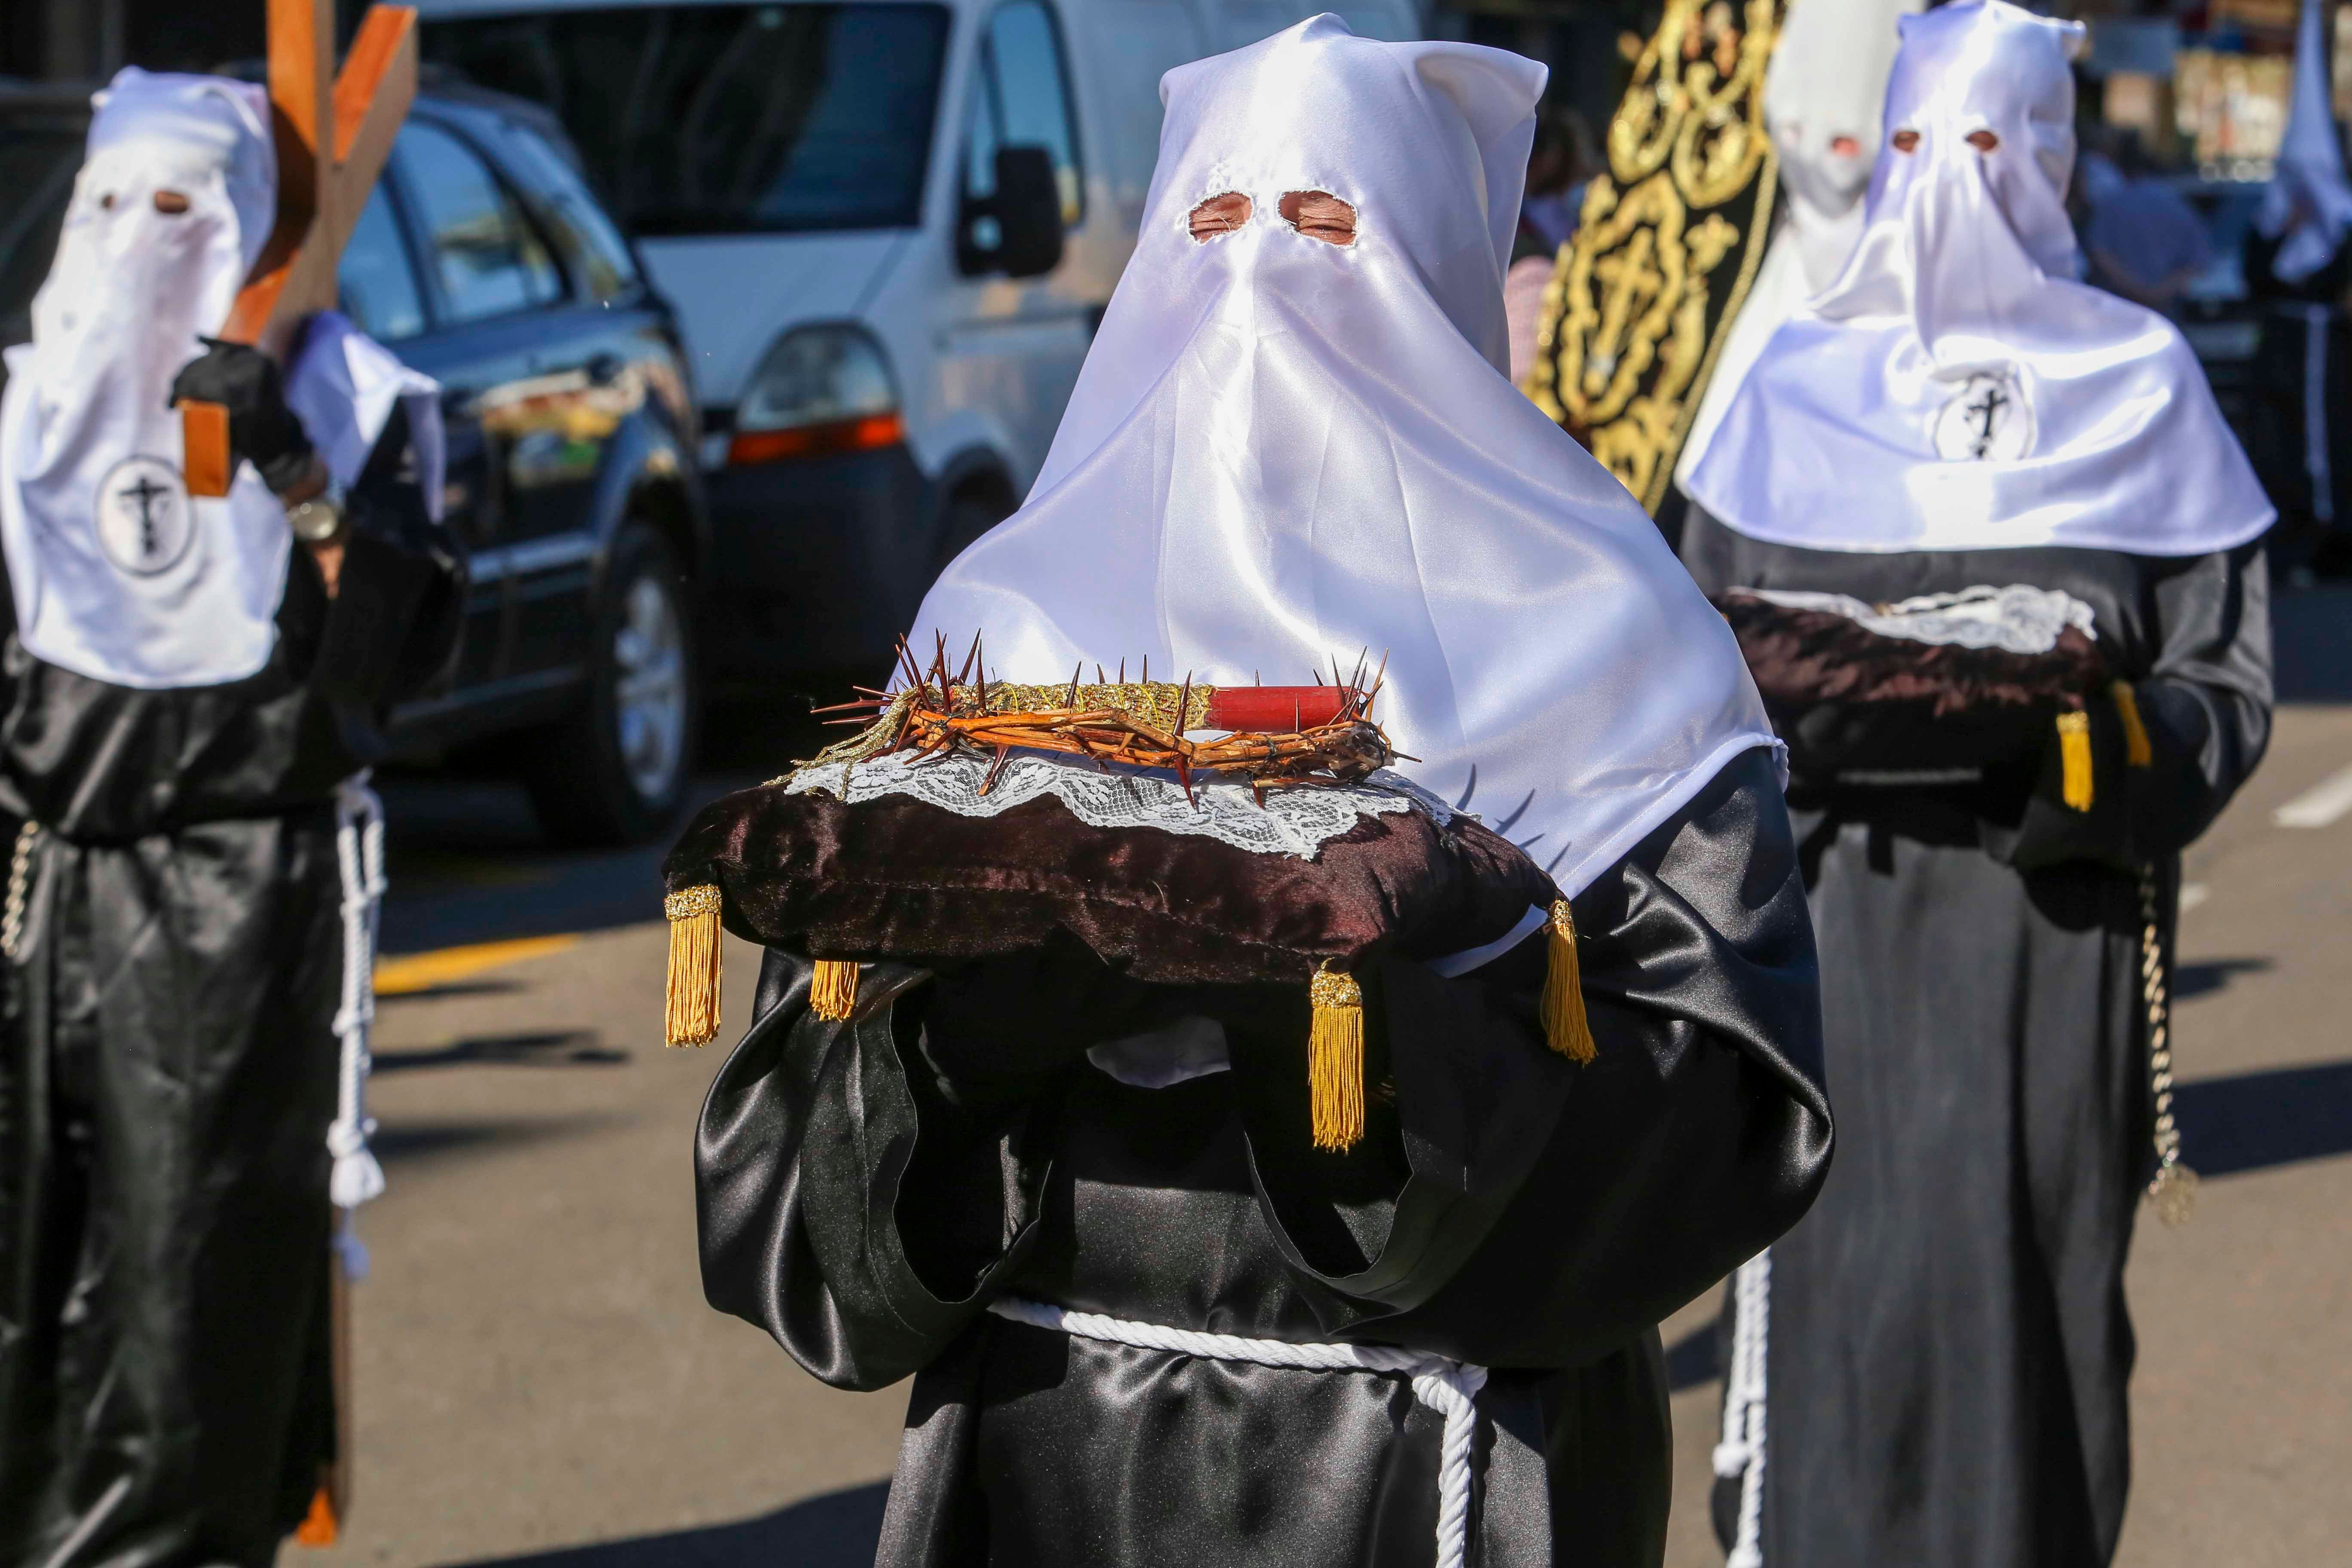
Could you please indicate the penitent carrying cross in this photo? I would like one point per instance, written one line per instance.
(334, 134)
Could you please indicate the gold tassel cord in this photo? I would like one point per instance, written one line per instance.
(2136, 749)
(833, 991)
(1565, 1025)
(690, 1010)
(2074, 759)
(1334, 1060)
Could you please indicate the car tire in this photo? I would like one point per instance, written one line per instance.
(617, 771)
(969, 515)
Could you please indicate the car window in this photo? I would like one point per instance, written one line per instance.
(592, 246)
(1021, 98)
(376, 280)
(725, 118)
(488, 258)
(1138, 41)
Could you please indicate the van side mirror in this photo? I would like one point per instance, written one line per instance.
(1017, 231)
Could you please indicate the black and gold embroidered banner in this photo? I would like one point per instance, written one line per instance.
(1669, 242)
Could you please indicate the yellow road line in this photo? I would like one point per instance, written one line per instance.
(412, 972)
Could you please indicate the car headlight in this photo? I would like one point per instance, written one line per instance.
(818, 390)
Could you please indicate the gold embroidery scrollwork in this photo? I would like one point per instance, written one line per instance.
(1640, 299)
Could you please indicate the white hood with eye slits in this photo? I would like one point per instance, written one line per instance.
(1956, 389)
(1821, 100)
(1283, 452)
(118, 572)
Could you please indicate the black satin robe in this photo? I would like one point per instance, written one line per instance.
(1506, 1208)
(1948, 1344)
(168, 1065)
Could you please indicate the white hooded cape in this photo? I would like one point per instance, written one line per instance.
(1827, 82)
(1955, 389)
(1282, 453)
(117, 572)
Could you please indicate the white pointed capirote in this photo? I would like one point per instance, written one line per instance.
(1283, 451)
(1956, 388)
(2309, 200)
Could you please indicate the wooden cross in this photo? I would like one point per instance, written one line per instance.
(334, 134)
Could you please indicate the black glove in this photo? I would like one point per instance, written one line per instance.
(261, 429)
(995, 1028)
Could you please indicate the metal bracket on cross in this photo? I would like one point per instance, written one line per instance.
(334, 134)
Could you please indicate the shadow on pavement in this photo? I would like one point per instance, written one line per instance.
(2228, 1125)
(1691, 1360)
(556, 1048)
(2197, 979)
(406, 1140)
(839, 1530)
(2257, 1119)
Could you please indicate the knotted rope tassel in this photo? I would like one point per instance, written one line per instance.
(2074, 759)
(690, 1011)
(1565, 1025)
(1334, 1060)
(833, 990)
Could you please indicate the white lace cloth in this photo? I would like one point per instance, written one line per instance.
(1292, 821)
(1448, 1387)
(2016, 619)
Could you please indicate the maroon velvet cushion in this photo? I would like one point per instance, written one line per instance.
(896, 877)
(1843, 696)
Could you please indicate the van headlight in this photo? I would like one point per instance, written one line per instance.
(819, 390)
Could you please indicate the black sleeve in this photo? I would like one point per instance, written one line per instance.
(823, 1218)
(1547, 1212)
(2206, 703)
(399, 605)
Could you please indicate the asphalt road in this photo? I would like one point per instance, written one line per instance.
(539, 1380)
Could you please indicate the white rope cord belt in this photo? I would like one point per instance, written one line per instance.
(356, 1177)
(1742, 1453)
(1448, 1387)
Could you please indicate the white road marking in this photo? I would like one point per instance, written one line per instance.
(2193, 894)
(2319, 805)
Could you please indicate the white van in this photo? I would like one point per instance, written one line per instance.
(889, 228)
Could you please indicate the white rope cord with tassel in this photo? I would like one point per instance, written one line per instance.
(1741, 1452)
(358, 856)
(1448, 1387)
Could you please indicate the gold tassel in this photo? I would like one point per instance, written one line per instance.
(832, 992)
(2136, 751)
(1334, 1060)
(690, 1014)
(1563, 993)
(2074, 759)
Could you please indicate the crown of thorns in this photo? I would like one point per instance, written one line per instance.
(1277, 737)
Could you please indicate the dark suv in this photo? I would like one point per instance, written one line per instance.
(483, 260)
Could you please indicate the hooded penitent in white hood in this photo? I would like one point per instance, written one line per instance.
(1283, 452)
(1821, 100)
(118, 572)
(1956, 389)
(2309, 200)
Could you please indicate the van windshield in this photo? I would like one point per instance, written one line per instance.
(726, 119)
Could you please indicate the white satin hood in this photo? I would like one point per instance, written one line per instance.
(1282, 452)
(1956, 389)
(1827, 83)
(118, 573)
